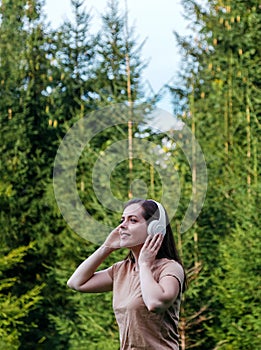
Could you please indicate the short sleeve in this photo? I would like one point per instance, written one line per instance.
(115, 268)
(173, 268)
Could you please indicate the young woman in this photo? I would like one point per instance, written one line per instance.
(147, 286)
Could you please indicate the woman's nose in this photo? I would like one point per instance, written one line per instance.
(123, 224)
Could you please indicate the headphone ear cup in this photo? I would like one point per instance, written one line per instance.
(152, 227)
(155, 227)
(158, 226)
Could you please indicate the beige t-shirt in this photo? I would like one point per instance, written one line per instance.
(138, 327)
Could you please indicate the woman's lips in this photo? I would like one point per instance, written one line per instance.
(124, 235)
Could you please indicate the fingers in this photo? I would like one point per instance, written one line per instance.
(154, 242)
(115, 230)
(150, 248)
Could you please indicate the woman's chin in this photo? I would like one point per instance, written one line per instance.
(124, 243)
(131, 245)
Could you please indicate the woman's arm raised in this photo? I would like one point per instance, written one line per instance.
(85, 278)
(157, 296)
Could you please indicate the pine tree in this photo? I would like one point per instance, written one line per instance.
(217, 81)
(73, 60)
(14, 308)
(27, 203)
(118, 59)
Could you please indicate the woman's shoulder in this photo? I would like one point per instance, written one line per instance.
(120, 263)
(122, 266)
(169, 267)
(167, 262)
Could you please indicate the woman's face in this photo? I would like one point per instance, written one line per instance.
(133, 227)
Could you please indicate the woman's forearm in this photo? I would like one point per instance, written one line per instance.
(152, 292)
(157, 296)
(88, 267)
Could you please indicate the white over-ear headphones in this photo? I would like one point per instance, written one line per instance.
(158, 226)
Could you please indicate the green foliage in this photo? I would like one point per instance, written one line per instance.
(117, 52)
(220, 98)
(50, 79)
(239, 292)
(14, 308)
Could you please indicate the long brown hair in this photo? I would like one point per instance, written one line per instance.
(168, 248)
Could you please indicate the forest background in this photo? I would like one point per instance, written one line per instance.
(50, 79)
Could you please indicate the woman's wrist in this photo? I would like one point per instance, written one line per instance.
(106, 249)
(144, 264)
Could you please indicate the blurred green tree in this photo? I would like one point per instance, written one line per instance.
(220, 94)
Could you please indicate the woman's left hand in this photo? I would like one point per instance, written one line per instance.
(150, 249)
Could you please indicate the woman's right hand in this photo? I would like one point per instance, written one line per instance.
(113, 239)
